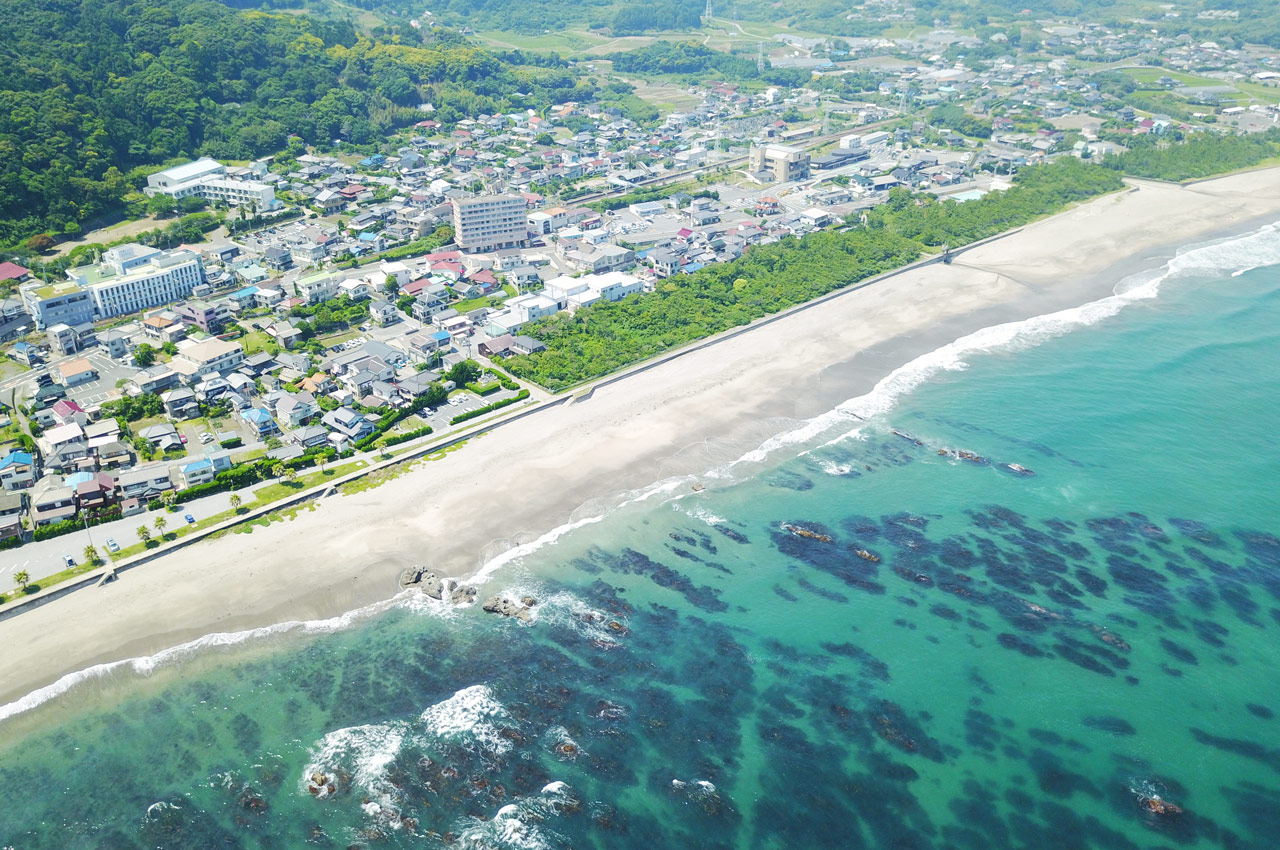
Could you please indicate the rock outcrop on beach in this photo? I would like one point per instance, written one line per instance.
(425, 580)
(510, 607)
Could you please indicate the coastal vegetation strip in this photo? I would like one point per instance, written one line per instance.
(609, 336)
(1196, 157)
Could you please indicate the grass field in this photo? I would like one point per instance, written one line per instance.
(1246, 92)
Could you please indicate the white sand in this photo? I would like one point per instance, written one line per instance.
(683, 416)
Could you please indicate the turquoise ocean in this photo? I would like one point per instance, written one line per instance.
(871, 632)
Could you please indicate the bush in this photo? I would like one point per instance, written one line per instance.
(56, 529)
(10, 543)
(489, 408)
(233, 443)
(485, 389)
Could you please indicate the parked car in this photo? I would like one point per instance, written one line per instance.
(112, 545)
(190, 519)
(206, 437)
(68, 560)
(183, 438)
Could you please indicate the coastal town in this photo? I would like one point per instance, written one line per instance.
(348, 300)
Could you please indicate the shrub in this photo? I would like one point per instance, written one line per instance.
(489, 408)
(397, 439)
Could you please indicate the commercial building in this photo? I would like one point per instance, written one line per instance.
(490, 222)
(782, 161)
(207, 178)
(132, 278)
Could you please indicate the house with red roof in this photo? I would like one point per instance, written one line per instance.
(13, 271)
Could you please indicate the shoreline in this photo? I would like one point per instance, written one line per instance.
(681, 416)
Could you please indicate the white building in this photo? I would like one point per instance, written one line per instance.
(490, 222)
(207, 178)
(132, 278)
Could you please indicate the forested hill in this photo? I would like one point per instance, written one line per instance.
(91, 89)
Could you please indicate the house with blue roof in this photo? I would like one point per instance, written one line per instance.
(17, 470)
(260, 419)
(244, 297)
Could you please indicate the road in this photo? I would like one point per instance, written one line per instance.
(45, 557)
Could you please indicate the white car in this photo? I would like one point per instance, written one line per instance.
(206, 437)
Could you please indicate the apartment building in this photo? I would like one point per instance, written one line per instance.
(63, 303)
(783, 162)
(490, 222)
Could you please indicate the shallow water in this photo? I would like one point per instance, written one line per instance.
(1013, 660)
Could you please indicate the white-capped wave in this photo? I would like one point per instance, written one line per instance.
(1253, 250)
(471, 717)
(362, 753)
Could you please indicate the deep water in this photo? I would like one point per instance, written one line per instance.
(879, 636)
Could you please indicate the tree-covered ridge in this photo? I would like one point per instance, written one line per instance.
(92, 89)
(606, 337)
(620, 17)
(1197, 156)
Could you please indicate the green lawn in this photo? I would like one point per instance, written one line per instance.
(256, 341)
(274, 492)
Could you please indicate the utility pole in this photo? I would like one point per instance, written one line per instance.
(707, 13)
(759, 55)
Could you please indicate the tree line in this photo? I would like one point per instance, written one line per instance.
(608, 336)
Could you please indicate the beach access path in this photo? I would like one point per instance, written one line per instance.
(570, 461)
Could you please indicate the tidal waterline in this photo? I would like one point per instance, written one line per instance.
(881, 634)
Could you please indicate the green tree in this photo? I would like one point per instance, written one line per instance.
(169, 348)
(39, 243)
(162, 205)
(277, 470)
(91, 555)
(144, 355)
(23, 578)
(236, 501)
(160, 523)
(144, 534)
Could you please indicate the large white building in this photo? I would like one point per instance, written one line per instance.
(490, 222)
(132, 278)
(207, 178)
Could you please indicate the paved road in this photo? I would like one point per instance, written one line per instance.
(45, 557)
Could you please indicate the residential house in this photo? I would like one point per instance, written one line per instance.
(162, 437)
(285, 334)
(153, 379)
(181, 403)
(12, 506)
(260, 420)
(383, 313)
(96, 493)
(76, 372)
(309, 436)
(52, 502)
(213, 356)
(294, 409)
(349, 423)
(113, 455)
(144, 482)
(17, 470)
(64, 448)
(205, 469)
(208, 317)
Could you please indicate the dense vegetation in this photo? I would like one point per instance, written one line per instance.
(1197, 156)
(95, 93)
(606, 337)
(621, 17)
(1039, 190)
(952, 117)
(611, 335)
(692, 59)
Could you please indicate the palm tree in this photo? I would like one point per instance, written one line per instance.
(144, 534)
(169, 497)
(91, 555)
(291, 475)
(277, 470)
(236, 501)
(23, 578)
(160, 523)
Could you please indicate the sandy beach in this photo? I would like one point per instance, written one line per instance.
(682, 417)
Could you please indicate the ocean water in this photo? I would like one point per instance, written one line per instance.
(872, 632)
